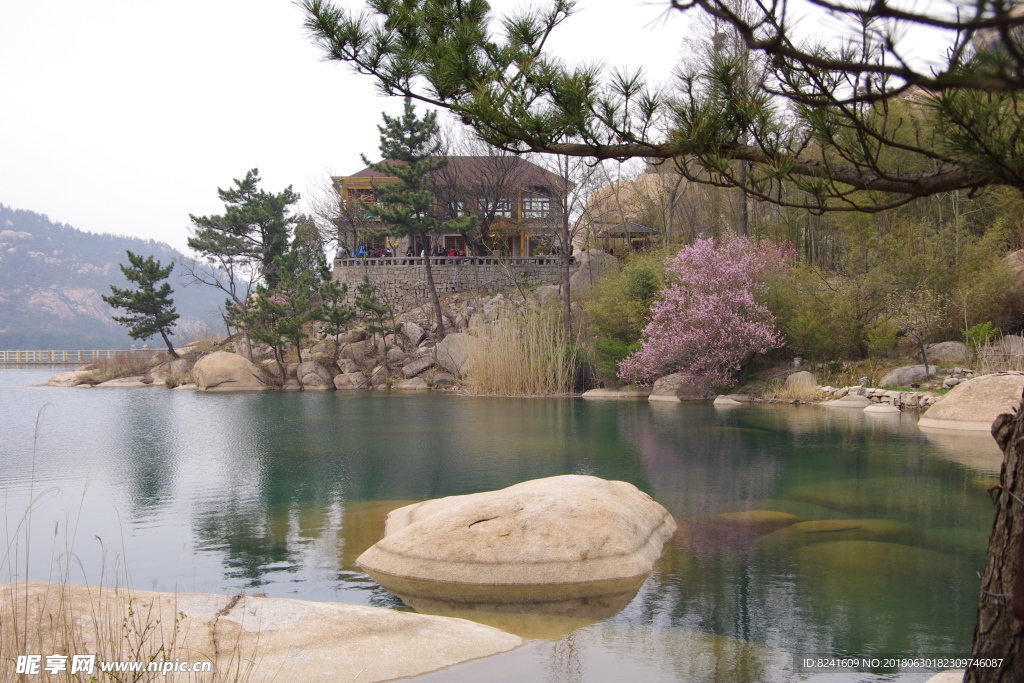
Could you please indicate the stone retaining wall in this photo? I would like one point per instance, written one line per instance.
(402, 282)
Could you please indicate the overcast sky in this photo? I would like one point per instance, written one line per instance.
(124, 116)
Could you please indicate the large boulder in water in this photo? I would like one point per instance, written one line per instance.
(223, 371)
(546, 540)
(975, 404)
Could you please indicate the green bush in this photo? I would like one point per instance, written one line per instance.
(618, 309)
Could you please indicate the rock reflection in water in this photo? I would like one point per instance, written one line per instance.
(977, 450)
(612, 651)
(527, 611)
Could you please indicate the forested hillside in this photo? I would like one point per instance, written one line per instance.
(52, 277)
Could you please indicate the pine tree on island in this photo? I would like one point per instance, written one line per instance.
(151, 309)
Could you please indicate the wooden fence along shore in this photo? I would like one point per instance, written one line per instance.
(47, 356)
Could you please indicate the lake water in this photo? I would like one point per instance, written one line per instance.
(279, 493)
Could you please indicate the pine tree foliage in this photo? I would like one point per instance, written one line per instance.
(252, 233)
(150, 308)
(411, 150)
(843, 122)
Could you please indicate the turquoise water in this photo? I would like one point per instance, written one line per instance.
(279, 493)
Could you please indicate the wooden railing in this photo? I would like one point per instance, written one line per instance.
(43, 356)
(512, 261)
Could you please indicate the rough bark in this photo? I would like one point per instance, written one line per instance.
(997, 633)
(170, 346)
(434, 299)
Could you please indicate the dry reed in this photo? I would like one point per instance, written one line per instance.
(126, 364)
(1003, 354)
(104, 617)
(782, 392)
(525, 352)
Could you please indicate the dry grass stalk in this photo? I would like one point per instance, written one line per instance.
(125, 364)
(524, 353)
(1001, 355)
(784, 392)
(103, 618)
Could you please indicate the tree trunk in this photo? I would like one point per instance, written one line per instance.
(998, 634)
(565, 239)
(924, 357)
(170, 346)
(434, 299)
(744, 217)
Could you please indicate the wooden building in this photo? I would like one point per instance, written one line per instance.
(517, 205)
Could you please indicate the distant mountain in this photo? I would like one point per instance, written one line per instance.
(52, 277)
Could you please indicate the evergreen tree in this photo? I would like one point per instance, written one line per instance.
(371, 310)
(411, 149)
(151, 309)
(278, 317)
(253, 232)
(335, 313)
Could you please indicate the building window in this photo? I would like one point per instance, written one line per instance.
(458, 209)
(502, 208)
(536, 207)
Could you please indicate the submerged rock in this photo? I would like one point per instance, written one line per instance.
(556, 540)
(873, 560)
(627, 392)
(824, 530)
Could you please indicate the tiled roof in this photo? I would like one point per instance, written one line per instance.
(519, 172)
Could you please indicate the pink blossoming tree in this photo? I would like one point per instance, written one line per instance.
(708, 320)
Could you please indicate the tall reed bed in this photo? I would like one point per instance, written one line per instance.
(525, 352)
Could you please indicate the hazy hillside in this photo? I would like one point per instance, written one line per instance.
(52, 277)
